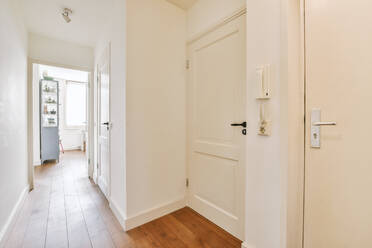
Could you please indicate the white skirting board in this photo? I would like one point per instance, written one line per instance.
(4, 234)
(154, 213)
(37, 162)
(245, 245)
(120, 216)
(72, 148)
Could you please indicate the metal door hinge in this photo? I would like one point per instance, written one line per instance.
(187, 64)
(187, 182)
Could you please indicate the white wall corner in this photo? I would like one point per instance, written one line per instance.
(154, 213)
(5, 232)
(120, 216)
(246, 245)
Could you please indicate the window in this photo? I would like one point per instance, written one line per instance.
(76, 104)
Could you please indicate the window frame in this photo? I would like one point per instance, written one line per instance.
(75, 127)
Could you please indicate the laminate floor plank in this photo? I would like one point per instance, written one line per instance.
(67, 210)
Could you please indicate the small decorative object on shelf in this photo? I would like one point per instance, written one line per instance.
(49, 89)
(46, 77)
(50, 100)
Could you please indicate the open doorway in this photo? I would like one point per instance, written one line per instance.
(61, 110)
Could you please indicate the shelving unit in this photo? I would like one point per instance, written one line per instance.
(49, 120)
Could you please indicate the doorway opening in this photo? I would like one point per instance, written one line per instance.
(61, 107)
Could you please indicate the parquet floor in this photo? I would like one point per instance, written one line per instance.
(67, 210)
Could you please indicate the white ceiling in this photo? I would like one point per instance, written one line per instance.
(88, 18)
(184, 4)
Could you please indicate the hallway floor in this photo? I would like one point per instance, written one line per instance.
(67, 210)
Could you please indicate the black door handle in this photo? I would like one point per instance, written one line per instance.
(106, 123)
(243, 124)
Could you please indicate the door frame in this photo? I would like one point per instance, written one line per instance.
(30, 114)
(294, 73)
(223, 21)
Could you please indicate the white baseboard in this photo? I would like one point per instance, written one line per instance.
(102, 184)
(120, 216)
(37, 162)
(72, 148)
(4, 233)
(245, 245)
(95, 176)
(154, 213)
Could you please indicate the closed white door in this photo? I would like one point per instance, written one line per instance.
(217, 99)
(104, 124)
(338, 174)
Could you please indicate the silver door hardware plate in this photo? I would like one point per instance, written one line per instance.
(315, 129)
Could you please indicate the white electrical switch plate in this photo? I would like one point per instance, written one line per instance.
(263, 81)
(315, 130)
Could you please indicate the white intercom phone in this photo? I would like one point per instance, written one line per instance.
(263, 81)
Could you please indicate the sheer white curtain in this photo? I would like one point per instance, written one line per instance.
(76, 104)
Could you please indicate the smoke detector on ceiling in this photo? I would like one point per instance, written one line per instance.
(65, 14)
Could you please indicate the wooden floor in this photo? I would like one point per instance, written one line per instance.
(67, 210)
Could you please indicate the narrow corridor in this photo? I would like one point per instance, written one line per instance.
(67, 210)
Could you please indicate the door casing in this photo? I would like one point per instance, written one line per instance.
(30, 98)
(294, 74)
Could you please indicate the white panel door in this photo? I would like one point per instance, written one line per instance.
(338, 188)
(104, 124)
(217, 98)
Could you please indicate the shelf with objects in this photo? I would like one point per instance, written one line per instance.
(49, 120)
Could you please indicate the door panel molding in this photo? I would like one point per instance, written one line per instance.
(215, 149)
(236, 14)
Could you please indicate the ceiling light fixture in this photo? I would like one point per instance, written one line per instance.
(65, 14)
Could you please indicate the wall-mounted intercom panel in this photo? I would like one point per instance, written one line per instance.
(263, 81)
(264, 125)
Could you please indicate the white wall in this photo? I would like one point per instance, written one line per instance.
(205, 13)
(56, 52)
(267, 156)
(115, 34)
(156, 108)
(13, 114)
